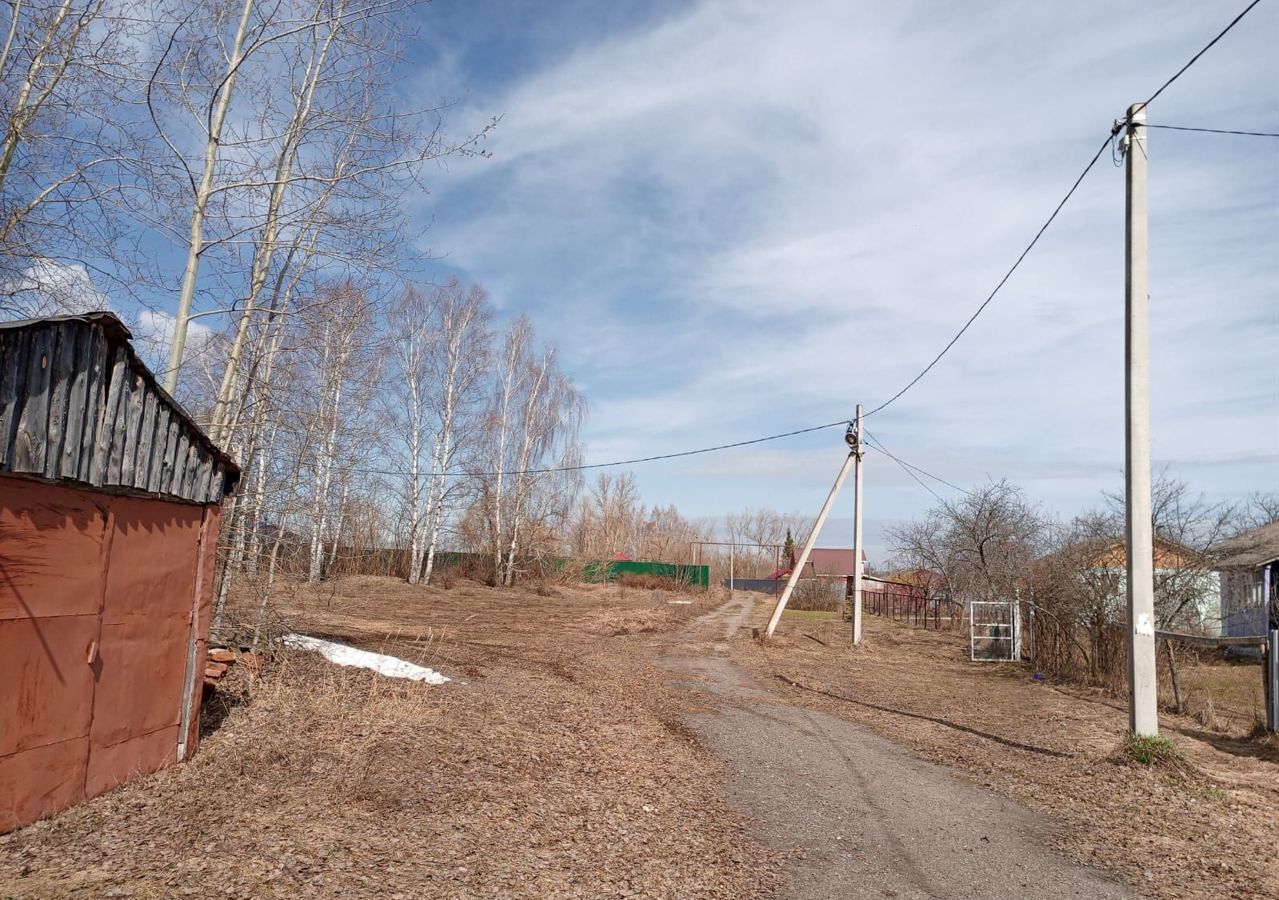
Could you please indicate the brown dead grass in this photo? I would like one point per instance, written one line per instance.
(634, 621)
(1225, 697)
(558, 769)
(1203, 828)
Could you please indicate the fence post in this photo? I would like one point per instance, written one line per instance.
(1016, 648)
(1031, 615)
(1272, 681)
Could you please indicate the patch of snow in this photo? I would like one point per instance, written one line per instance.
(342, 655)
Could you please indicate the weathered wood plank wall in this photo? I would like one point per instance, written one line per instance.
(77, 404)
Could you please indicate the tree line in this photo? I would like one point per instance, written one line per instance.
(253, 166)
(994, 543)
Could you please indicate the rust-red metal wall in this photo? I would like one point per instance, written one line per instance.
(97, 596)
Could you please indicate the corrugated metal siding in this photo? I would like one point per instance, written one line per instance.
(104, 608)
(77, 404)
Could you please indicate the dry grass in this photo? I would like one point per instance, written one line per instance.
(559, 769)
(1223, 696)
(1199, 828)
(634, 621)
(642, 581)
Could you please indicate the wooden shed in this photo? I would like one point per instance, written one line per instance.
(109, 512)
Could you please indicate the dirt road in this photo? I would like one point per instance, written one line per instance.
(858, 815)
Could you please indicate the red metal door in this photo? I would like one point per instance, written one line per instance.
(97, 594)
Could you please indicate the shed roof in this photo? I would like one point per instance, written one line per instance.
(77, 404)
(1250, 550)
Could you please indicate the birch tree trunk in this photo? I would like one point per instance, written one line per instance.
(195, 241)
(517, 340)
(258, 498)
(320, 504)
(463, 325)
(264, 249)
(530, 426)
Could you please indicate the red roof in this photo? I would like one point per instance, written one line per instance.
(621, 557)
(825, 562)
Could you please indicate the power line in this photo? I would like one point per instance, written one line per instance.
(1007, 275)
(620, 462)
(981, 308)
(1208, 46)
(1070, 193)
(879, 445)
(908, 467)
(905, 468)
(1269, 134)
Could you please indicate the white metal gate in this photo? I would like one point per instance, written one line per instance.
(994, 631)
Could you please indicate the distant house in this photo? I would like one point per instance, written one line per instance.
(825, 562)
(1185, 587)
(1248, 569)
(924, 580)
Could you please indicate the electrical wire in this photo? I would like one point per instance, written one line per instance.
(917, 480)
(905, 468)
(1007, 275)
(1208, 46)
(879, 445)
(1070, 193)
(620, 462)
(1269, 134)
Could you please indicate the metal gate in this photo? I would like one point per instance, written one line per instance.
(994, 631)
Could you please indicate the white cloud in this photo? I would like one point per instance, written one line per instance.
(48, 287)
(751, 216)
(153, 335)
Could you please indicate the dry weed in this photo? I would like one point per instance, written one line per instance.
(634, 621)
(1206, 715)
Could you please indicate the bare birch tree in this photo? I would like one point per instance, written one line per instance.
(411, 322)
(460, 362)
(65, 135)
(533, 423)
(341, 377)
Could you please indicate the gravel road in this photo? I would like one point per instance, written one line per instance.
(857, 815)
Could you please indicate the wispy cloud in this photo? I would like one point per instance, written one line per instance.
(745, 217)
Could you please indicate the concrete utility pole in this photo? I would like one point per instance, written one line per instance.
(858, 452)
(808, 544)
(1143, 714)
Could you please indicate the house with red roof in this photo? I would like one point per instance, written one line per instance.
(826, 562)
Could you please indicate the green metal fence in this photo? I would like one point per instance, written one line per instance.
(697, 576)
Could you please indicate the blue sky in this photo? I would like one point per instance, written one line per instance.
(742, 218)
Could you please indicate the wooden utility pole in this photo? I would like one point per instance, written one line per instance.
(1143, 713)
(812, 539)
(858, 452)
